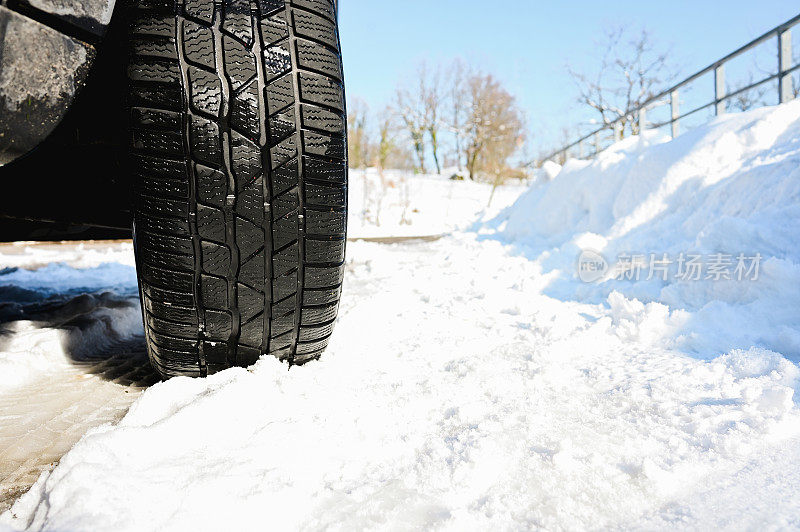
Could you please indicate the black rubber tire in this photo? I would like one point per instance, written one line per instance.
(238, 146)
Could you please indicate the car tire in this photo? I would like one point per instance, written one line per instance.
(238, 150)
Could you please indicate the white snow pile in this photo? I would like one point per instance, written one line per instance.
(547, 172)
(725, 191)
(476, 383)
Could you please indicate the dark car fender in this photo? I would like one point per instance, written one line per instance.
(47, 48)
(62, 121)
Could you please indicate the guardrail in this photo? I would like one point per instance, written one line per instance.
(589, 145)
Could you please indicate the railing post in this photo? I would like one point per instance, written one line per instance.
(719, 90)
(674, 107)
(785, 89)
(580, 149)
(617, 131)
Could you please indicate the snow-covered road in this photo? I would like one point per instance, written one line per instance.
(476, 382)
(44, 418)
(454, 394)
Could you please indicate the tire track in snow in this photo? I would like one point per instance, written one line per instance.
(43, 419)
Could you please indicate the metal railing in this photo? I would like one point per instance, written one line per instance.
(589, 145)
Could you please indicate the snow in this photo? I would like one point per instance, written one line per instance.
(547, 172)
(731, 187)
(476, 382)
(53, 312)
(399, 204)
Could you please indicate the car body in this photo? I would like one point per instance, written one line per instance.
(61, 158)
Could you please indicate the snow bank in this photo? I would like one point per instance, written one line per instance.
(731, 187)
(34, 255)
(61, 278)
(548, 171)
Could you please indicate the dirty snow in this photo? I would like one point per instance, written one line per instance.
(476, 382)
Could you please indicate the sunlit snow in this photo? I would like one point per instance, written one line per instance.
(476, 382)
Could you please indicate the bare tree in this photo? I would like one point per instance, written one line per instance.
(795, 76)
(631, 70)
(430, 88)
(457, 108)
(494, 126)
(387, 143)
(568, 134)
(385, 150)
(391, 154)
(411, 112)
(421, 110)
(359, 146)
(460, 112)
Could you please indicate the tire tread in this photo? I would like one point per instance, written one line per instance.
(239, 156)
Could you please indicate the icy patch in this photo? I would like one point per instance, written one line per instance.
(58, 314)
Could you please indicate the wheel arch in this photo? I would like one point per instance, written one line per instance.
(47, 48)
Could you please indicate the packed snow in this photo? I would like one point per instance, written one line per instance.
(483, 381)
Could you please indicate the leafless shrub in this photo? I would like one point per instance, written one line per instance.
(748, 99)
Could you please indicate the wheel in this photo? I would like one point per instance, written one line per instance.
(238, 148)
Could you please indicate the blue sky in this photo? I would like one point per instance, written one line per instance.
(528, 43)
